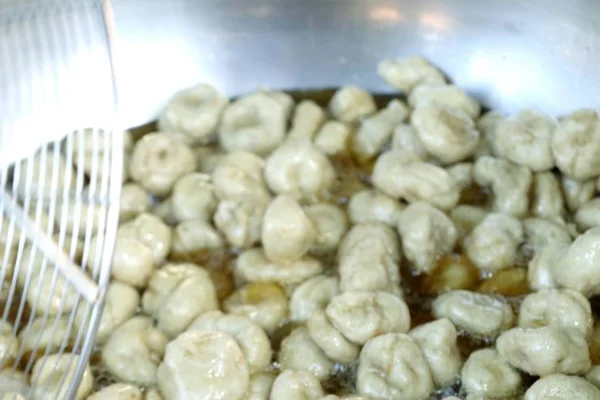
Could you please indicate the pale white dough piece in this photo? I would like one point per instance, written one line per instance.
(194, 197)
(120, 303)
(400, 175)
(576, 193)
(240, 221)
(577, 268)
(118, 391)
(524, 138)
(447, 133)
(438, 342)
(35, 177)
(331, 224)
(368, 266)
(445, 95)
(406, 73)
(392, 367)
(509, 182)
(588, 215)
(45, 333)
(255, 123)
(152, 232)
(260, 386)
(178, 293)
(296, 385)
(562, 387)
(360, 316)
(133, 259)
(371, 230)
(564, 308)
(134, 350)
(486, 375)
(79, 219)
(287, 232)
(368, 259)
(299, 352)
(308, 119)
(477, 313)
(19, 383)
(299, 169)
(158, 160)
(50, 294)
(576, 144)
(194, 111)
(540, 232)
(350, 104)
(312, 295)
(462, 174)
(194, 235)
(251, 338)
(53, 374)
(266, 304)
(332, 138)
(406, 139)
(374, 206)
(330, 340)
(239, 176)
(134, 201)
(426, 233)
(253, 266)
(202, 365)
(374, 132)
(285, 100)
(494, 242)
(547, 199)
(540, 269)
(564, 350)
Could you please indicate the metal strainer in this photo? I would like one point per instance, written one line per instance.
(59, 190)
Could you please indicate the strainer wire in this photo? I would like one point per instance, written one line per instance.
(102, 194)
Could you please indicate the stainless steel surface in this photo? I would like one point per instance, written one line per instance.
(54, 72)
(56, 78)
(509, 54)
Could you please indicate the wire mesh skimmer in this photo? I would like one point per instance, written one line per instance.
(59, 190)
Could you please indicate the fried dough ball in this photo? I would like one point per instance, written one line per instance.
(525, 139)
(576, 144)
(447, 133)
(478, 313)
(203, 365)
(392, 366)
(255, 123)
(350, 104)
(194, 111)
(158, 160)
(407, 73)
